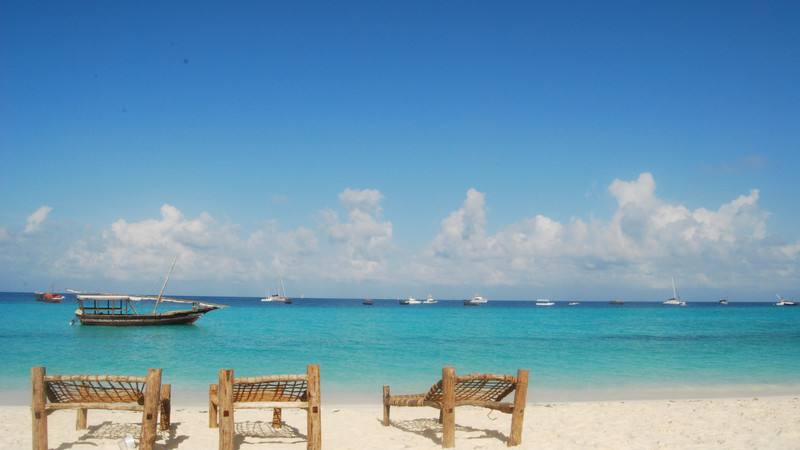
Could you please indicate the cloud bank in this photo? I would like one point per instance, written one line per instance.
(644, 242)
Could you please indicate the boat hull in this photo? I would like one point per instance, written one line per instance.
(126, 320)
(48, 297)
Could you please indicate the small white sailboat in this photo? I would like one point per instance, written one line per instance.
(280, 296)
(430, 300)
(782, 302)
(544, 302)
(675, 300)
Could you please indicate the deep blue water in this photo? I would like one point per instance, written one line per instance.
(572, 352)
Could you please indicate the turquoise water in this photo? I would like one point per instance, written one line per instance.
(573, 352)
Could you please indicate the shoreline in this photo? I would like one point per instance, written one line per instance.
(764, 423)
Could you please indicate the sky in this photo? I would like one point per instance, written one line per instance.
(516, 150)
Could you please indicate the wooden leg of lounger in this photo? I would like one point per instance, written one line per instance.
(276, 412)
(152, 394)
(314, 422)
(386, 406)
(520, 394)
(38, 412)
(166, 406)
(213, 402)
(276, 417)
(82, 420)
(448, 407)
(226, 423)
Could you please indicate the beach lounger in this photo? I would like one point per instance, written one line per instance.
(477, 389)
(83, 392)
(274, 391)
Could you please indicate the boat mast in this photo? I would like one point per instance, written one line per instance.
(158, 300)
(674, 292)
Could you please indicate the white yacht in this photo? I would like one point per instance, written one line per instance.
(544, 302)
(475, 301)
(430, 300)
(409, 301)
(782, 302)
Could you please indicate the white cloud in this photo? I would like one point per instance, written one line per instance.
(361, 244)
(643, 243)
(462, 233)
(35, 220)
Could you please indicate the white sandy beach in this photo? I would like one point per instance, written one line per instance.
(751, 423)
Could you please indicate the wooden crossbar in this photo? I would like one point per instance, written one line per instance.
(51, 393)
(273, 391)
(479, 389)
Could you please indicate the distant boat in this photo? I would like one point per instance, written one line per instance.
(98, 308)
(724, 300)
(476, 301)
(783, 302)
(617, 302)
(544, 302)
(430, 300)
(409, 301)
(368, 301)
(49, 297)
(574, 303)
(675, 300)
(280, 296)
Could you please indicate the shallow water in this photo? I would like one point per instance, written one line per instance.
(593, 350)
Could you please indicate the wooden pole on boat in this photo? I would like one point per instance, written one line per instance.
(158, 300)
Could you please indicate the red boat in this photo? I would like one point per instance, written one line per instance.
(48, 297)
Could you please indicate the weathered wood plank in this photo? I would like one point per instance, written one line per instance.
(38, 413)
(227, 429)
(152, 395)
(314, 420)
(448, 407)
(518, 414)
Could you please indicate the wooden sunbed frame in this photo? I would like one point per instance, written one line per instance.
(274, 391)
(478, 389)
(83, 392)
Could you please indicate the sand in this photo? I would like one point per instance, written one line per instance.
(751, 423)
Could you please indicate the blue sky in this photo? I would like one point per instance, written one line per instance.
(385, 149)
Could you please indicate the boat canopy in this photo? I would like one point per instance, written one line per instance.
(83, 295)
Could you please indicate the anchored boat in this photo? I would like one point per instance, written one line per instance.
(99, 308)
(476, 301)
(49, 297)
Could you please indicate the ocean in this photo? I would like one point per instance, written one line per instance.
(592, 351)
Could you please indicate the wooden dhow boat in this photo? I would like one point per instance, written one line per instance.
(100, 308)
